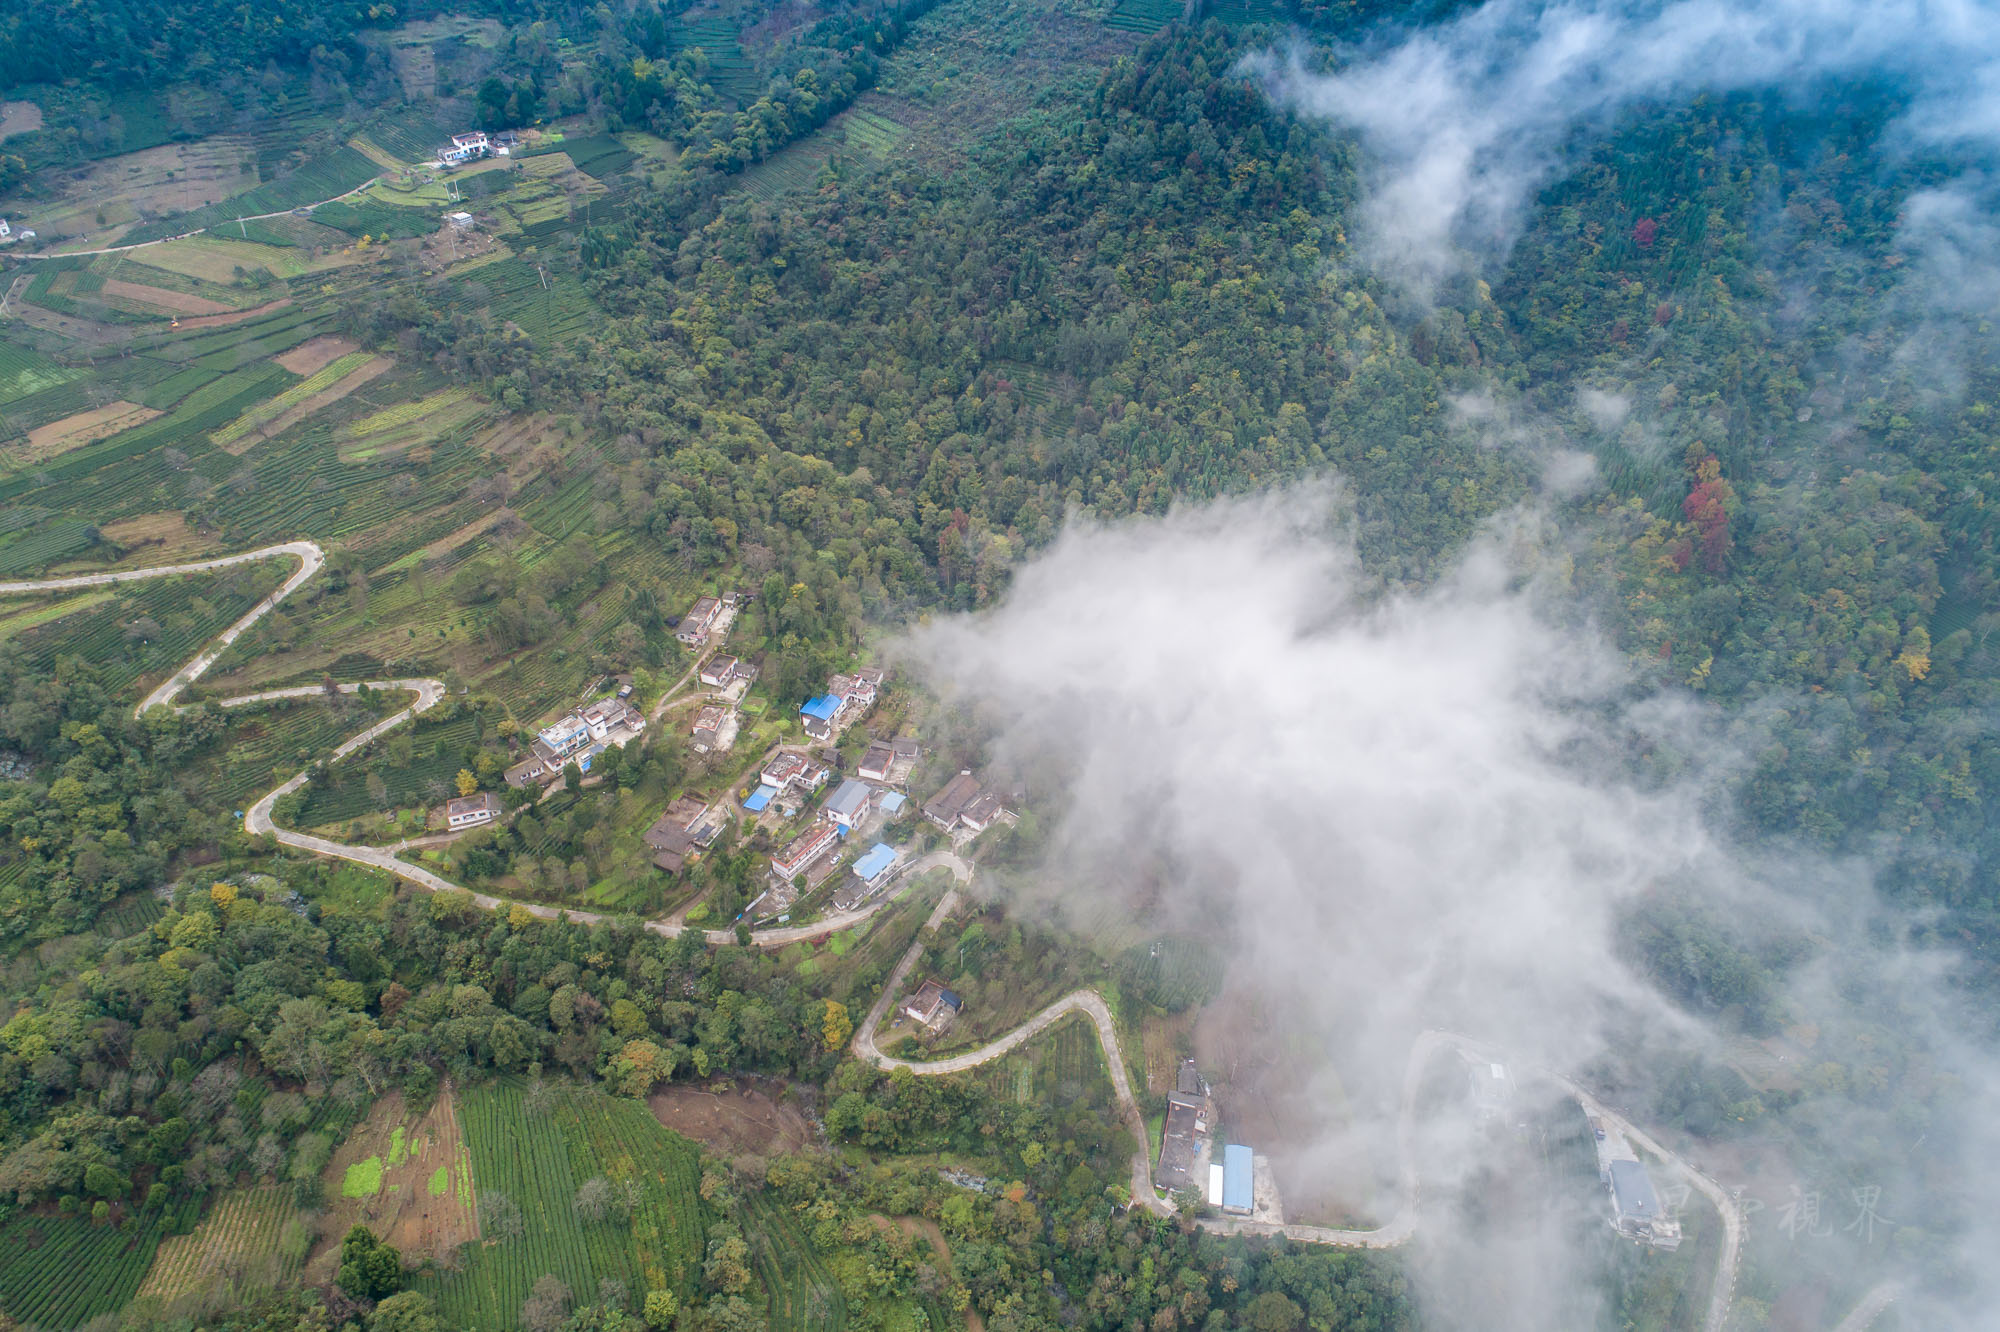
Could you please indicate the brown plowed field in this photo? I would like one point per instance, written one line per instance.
(736, 1120)
(403, 1210)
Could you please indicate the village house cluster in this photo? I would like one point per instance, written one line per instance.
(577, 737)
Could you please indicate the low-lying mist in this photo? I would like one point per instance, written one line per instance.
(1392, 811)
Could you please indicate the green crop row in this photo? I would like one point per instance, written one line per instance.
(61, 1271)
(24, 371)
(149, 630)
(538, 1161)
(804, 1295)
(326, 377)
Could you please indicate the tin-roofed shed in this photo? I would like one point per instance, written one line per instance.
(1238, 1180)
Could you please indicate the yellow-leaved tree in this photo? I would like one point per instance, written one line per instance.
(836, 1026)
(467, 783)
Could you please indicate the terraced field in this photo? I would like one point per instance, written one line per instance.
(805, 1296)
(60, 1272)
(536, 1161)
(325, 177)
(1144, 16)
(251, 1240)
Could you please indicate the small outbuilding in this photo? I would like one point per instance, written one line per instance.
(471, 811)
(1239, 1187)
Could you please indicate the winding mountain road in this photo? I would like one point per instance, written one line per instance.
(1399, 1229)
(258, 820)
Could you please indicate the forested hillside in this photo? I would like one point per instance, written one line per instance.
(842, 312)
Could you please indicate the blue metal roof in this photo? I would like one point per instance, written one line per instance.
(1632, 1187)
(760, 798)
(879, 858)
(1238, 1189)
(892, 801)
(822, 707)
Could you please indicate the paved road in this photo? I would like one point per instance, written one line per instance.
(1402, 1227)
(1872, 1307)
(257, 821)
(310, 557)
(1727, 1263)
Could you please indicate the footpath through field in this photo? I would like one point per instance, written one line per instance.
(163, 240)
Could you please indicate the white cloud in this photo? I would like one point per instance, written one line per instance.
(1464, 121)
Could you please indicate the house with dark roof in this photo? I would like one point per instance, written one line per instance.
(1635, 1206)
(933, 1005)
(1183, 1137)
(980, 811)
(944, 808)
(876, 762)
(676, 836)
(695, 625)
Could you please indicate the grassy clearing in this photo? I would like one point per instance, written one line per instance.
(214, 259)
(363, 1179)
(13, 622)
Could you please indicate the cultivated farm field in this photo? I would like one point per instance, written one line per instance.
(251, 1240)
(535, 1161)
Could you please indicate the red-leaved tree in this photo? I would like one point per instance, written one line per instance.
(1707, 510)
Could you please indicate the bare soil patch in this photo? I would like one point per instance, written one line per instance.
(180, 302)
(299, 411)
(234, 316)
(83, 428)
(156, 538)
(412, 1155)
(19, 118)
(1163, 1039)
(734, 1118)
(308, 358)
